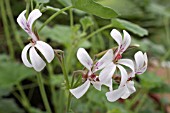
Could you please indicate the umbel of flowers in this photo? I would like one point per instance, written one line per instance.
(97, 73)
(107, 65)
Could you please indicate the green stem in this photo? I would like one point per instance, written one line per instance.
(69, 102)
(65, 73)
(43, 93)
(27, 8)
(13, 25)
(52, 87)
(6, 30)
(53, 16)
(25, 101)
(32, 5)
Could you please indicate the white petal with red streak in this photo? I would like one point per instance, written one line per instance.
(34, 15)
(105, 60)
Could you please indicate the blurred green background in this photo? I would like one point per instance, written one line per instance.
(147, 21)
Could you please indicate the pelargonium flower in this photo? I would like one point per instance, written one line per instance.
(128, 88)
(46, 50)
(117, 61)
(141, 62)
(90, 76)
(123, 91)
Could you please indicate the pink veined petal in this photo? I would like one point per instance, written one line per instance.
(115, 94)
(139, 59)
(37, 62)
(24, 55)
(34, 15)
(127, 62)
(106, 75)
(81, 90)
(84, 58)
(46, 50)
(124, 75)
(105, 60)
(97, 85)
(116, 36)
(126, 42)
(22, 20)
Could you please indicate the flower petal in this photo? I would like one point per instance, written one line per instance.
(129, 89)
(37, 62)
(124, 75)
(106, 59)
(126, 42)
(81, 90)
(116, 36)
(34, 15)
(139, 59)
(84, 58)
(46, 50)
(97, 85)
(106, 75)
(22, 20)
(115, 94)
(24, 55)
(127, 62)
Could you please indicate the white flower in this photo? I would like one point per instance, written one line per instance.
(122, 92)
(141, 62)
(26, 24)
(107, 73)
(46, 50)
(90, 76)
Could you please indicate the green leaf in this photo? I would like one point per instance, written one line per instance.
(94, 8)
(164, 88)
(5, 91)
(125, 8)
(9, 106)
(61, 34)
(150, 80)
(12, 73)
(42, 1)
(65, 2)
(86, 22)
(134, 28)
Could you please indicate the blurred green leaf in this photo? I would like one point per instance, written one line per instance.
(95, 8)
(125, 8)
(36, 110)
(65, 2)
(9, 106)
(12, 73)
(5, 91)
(42, 1)
(150, 80)
(164, 88)
(86, 22)
(134, 28)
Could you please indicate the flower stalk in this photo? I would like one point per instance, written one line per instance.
(43, 93)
